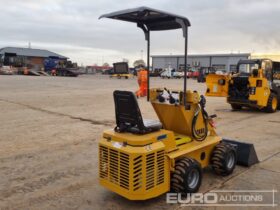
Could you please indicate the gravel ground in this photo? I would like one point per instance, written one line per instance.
(50, 128)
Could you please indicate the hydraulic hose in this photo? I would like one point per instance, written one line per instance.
(200, 108)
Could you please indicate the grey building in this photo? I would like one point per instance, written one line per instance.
(19, 57)
(225, 62)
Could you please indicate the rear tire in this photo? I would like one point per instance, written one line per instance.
(272, 104)
(187, 176)
(224, 159)
(236, 106)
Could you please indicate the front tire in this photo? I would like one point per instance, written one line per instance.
(224, 159)
(187, 176)
(272, 103)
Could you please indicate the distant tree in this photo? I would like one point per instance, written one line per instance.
(106, 64)
(139, 63)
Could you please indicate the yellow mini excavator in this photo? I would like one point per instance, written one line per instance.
(141, 159)
(255, 84)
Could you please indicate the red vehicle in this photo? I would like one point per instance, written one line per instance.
(192, 74)
(195, 74)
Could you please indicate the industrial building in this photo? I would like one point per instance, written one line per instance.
(223, 62)
(26, 57)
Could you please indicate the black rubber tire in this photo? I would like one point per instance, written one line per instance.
(220, 159)
(269, 108)
(236, 106)
(183, 170)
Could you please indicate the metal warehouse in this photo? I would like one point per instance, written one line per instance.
(19, 57)
(224, 62)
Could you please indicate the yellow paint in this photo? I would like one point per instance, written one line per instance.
(213, 86)
(195, 148)
(262, 93)
(137, 173)
(181, 139)
(138, 167)
(142, 140)
(175, 117)
(116, 171)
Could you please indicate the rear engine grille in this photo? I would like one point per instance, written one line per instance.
(114, 166)
(124, 170)
(160, 167)
(137, 173)
(103, 162)
(154, 169)
(150, 170)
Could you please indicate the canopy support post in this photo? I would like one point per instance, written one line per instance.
(185, 69)
(148, 66)
(147, 38)
(185, 34)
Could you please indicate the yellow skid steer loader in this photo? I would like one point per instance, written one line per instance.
(141, 159)
(255, 84)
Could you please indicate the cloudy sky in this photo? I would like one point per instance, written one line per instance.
(72, 28)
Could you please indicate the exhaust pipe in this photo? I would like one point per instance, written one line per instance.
(246, 153)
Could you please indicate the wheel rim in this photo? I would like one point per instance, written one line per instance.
(230, 160)
(274, 103)
(193, 178)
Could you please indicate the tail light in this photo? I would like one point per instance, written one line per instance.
(259, 83)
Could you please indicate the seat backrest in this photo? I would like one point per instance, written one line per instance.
(128, 115)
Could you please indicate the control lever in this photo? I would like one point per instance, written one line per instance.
(172, 100)
(161, 98)
(213, 116)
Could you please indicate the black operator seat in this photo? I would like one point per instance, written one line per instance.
(128, 115)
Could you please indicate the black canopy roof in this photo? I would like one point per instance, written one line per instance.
(154, 20)
(149, 19)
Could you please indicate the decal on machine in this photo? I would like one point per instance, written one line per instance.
(117, 145)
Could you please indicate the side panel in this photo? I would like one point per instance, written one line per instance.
(217, 85)
(262, 93)
(201, 151)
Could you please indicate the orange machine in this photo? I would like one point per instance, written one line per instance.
(142, 81)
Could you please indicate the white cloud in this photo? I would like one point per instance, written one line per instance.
(72, 27)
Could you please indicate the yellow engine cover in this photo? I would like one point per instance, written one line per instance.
(136, 173)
